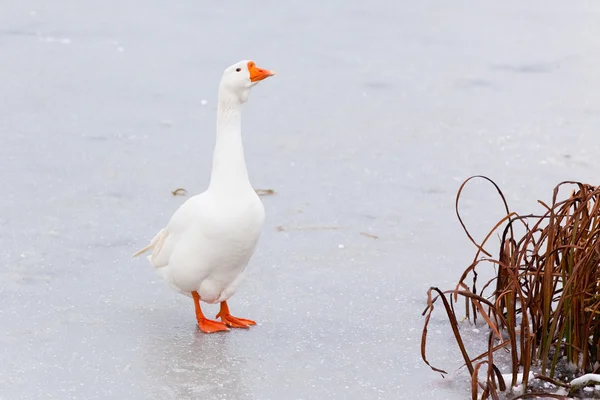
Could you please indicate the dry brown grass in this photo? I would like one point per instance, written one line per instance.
(543, 305)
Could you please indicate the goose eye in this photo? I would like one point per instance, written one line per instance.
(238, 69)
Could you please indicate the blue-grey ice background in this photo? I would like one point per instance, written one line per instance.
(379, 110)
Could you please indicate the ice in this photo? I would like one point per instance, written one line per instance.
(378, 111)
(51, 39)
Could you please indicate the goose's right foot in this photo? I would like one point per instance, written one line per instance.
(206, 325)
(210, 326)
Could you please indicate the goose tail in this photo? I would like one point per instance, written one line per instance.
(155, 244)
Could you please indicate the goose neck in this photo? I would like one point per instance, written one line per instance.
(229, 166)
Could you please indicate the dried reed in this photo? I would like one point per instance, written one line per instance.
(543, 305)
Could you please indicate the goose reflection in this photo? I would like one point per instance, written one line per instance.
(193, 365)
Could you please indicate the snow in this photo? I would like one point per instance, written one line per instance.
(585, 379)
(378, 111)
(508, 378)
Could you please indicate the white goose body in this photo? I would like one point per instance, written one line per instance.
(207, 244)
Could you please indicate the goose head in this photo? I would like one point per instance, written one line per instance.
(242, 76)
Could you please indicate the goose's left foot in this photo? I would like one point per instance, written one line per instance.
(230, 320)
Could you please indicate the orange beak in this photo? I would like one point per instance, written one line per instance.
(258, 74)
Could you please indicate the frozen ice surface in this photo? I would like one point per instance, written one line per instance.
(378, 111)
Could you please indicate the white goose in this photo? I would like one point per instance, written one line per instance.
(205, 247)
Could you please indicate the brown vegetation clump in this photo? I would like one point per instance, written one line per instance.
(542, 306)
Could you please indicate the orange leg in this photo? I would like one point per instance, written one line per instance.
(232, 321)
(206, 325)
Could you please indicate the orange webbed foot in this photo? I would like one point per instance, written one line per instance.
(206, 325)
(210, 326)
(231, 321)
(234, 322)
